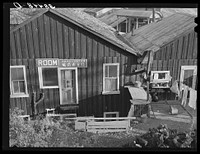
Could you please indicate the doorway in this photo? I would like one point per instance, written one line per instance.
(68, 85)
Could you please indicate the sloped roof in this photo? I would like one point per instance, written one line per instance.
(133, 13)
(169, 11)
(155, 35)
(17, 16)
(112, 19)
(93, 25)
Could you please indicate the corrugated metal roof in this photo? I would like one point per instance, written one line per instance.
(94, 25)
(155, 35)
(133, 13)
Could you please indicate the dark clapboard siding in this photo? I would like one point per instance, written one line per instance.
(50, 36)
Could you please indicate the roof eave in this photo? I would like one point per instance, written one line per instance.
(94, 32)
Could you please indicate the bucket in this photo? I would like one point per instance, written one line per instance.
(173, 110)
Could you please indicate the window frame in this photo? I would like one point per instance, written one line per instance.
(17, 95)
(188, 67)
(104, 77)
(41, 78)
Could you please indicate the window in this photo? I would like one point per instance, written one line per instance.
(48, 77)
(111, 78)
(18, 84)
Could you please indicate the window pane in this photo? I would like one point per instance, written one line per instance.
(22, 86)
(106, 71)
(113, 84)
(113, 71)
(17, 74)
(15, 87)
(50, 76)
(110, 84)
(188, 77)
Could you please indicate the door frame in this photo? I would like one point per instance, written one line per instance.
(188, 67)
(59, 82)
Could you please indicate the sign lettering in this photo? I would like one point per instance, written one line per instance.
(73, 63)
(46, 62)
(81, 63)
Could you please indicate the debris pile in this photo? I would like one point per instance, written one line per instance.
(163, 137)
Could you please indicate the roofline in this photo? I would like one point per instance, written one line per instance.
(74, 22)
(29, 20)
(170, 41)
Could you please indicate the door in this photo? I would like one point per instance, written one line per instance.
(189, 75)
(68, 86)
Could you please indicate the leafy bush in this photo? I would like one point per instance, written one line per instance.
(33, 133)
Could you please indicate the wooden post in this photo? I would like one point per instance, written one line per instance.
(148, 77)
(153, 14)
(117, 24)
(126, 24)
(147, 20)
(136, 23)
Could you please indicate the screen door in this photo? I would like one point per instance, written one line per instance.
(68, 86)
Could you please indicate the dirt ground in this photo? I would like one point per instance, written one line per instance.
(154, 123)
(163, 108)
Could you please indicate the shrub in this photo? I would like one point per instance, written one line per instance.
(33, 133)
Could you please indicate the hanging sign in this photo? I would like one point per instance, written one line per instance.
(81, 63)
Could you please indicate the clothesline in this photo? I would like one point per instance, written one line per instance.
(182, 92)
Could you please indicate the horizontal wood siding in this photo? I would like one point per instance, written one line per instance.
(49, 36)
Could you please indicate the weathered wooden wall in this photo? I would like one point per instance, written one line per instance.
(49, 36)
(181, 51)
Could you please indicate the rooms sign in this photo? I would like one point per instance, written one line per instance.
(81, 63)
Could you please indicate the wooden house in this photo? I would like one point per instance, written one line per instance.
(173, 41)
(77, 61)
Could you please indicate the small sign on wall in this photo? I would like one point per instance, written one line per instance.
(80, 63)
(47, 62)
(73, 63)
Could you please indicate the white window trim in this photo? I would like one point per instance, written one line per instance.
(25, 82)
(59, 82)
(41, 79)
(110, 92)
